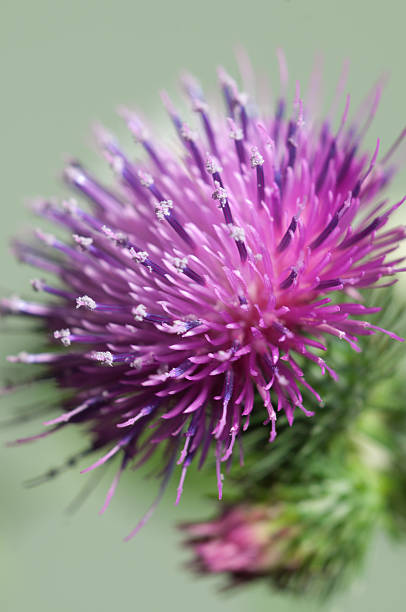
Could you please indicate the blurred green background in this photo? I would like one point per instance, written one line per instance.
(63, 64)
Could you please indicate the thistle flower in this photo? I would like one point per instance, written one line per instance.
(237, 542)
(307, 539)
(208, 275)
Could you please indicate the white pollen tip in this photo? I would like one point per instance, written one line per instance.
(219, 194)
(37, 284)
(138, 256)
(178, 327)
(180, 263)
(235, 133)
(86, 302)
(137, 363)
(119, 238)
(146, 179)
(104, 357)
(139, 312)
(163, 208)
(212, 165)
(63, 335)
(237, 233)
(256, 158)
(84, 242)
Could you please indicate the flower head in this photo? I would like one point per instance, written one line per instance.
(203, 278)
(235, 543)
(307, 538)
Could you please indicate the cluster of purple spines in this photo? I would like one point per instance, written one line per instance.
(207, 274)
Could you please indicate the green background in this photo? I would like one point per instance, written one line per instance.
(64, 64)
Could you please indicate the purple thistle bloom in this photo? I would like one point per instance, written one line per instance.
(242, 542)
(208, 275)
